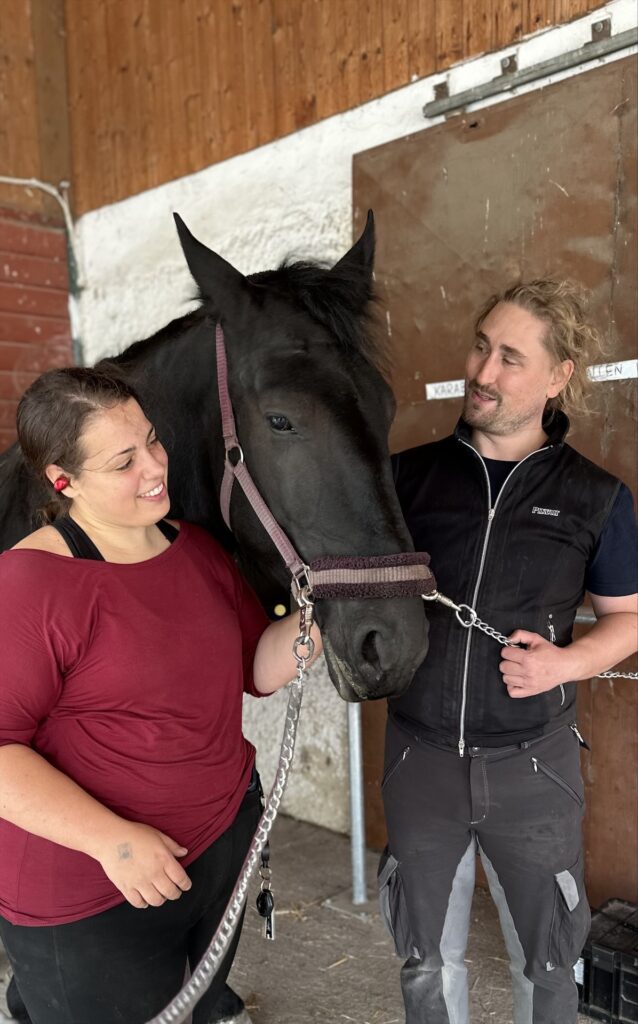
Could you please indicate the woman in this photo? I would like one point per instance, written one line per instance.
(128, 796)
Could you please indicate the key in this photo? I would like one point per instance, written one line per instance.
(266, 909)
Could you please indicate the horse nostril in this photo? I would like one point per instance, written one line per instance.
(369, 649)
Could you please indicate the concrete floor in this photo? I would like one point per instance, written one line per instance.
(332, 963)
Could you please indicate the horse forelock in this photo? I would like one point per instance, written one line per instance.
(340, 299)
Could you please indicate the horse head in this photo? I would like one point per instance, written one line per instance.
(313, 410)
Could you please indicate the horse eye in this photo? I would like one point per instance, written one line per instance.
(279, 423)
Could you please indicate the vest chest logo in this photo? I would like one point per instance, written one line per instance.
(536, 511)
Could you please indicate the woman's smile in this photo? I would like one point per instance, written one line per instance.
(157, 492)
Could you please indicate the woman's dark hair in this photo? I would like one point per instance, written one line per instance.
(52, 416)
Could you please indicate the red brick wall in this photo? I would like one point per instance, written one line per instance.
(35, 332)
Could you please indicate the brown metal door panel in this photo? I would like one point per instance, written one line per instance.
(543, 184)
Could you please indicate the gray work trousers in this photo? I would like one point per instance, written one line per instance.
(521, 808)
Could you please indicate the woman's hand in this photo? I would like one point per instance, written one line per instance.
(142, 863)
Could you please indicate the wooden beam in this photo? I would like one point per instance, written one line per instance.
(52, 100)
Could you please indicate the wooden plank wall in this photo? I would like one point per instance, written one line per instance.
(158, 90)
(162, 88)
(34, 135)
(19, 149)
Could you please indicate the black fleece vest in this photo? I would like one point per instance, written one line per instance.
(520, 561)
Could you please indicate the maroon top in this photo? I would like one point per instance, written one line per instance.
(129, 679)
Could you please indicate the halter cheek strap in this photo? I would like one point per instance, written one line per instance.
(238, 471)
(400, 575)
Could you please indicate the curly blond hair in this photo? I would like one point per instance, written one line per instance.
(563, 306)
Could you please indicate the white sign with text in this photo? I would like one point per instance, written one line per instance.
(605, 372)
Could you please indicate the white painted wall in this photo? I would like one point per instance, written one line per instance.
(293, 196)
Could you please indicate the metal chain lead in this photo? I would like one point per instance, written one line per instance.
(180, 1008)
(617, 675)
(467, 617)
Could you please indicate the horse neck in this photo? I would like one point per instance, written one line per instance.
(176, 379)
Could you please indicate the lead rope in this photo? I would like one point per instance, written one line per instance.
(467, 617)
(201, 979)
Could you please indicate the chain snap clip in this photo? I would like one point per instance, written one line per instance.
(467, 617)
(460, 610)
(303, 646)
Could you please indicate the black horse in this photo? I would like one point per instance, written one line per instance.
(313, 410)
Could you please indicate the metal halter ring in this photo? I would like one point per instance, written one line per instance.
(235, 448)
(466, 623)
(303, 640)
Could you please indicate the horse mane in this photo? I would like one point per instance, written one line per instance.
(166, 333)
(340, 298)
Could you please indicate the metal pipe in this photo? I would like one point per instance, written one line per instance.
(76, 276)
(507, 82)
(357, 817)
(585, 615)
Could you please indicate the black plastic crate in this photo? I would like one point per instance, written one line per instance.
(607, 971)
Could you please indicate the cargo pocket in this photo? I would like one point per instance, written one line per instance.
(392, 905)
(571, 918)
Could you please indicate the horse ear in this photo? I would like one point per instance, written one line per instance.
(361, 256)
(214, 276)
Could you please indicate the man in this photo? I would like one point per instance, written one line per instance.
(482, 752)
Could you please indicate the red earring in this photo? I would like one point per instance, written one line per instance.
(61, 483)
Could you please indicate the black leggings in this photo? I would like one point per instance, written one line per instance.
(124, 965)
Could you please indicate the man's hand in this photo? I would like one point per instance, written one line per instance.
(539, 668)
(141, 862)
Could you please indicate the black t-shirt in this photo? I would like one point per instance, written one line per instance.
(498, 471)
(613, 569)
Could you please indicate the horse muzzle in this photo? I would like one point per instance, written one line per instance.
(373, 647)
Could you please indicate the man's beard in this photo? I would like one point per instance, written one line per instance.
(496, 419)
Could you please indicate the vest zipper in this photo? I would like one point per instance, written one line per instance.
(491, 512)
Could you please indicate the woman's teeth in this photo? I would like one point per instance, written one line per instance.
(155, 491)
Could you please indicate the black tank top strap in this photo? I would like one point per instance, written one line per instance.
(169, 531)
(79, 543)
